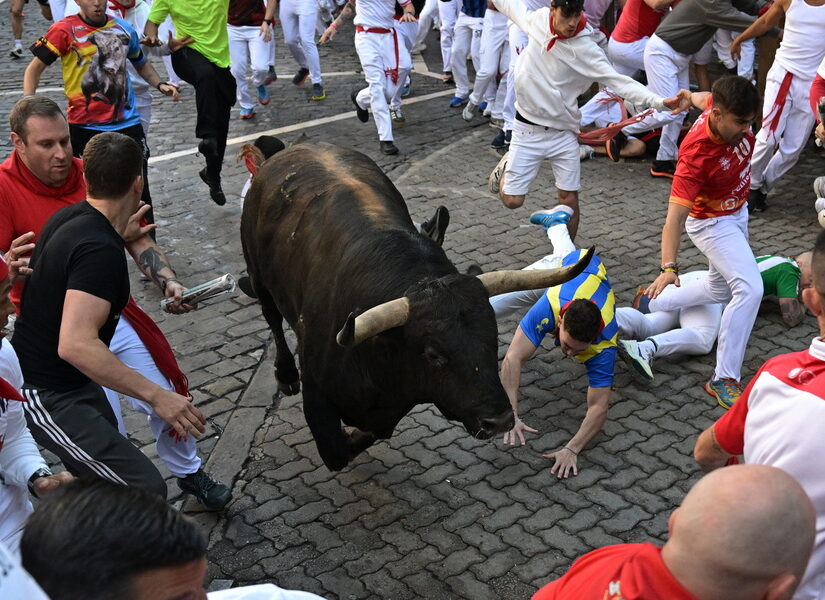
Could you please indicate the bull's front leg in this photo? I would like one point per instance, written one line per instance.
(286, 373)
(335, 446)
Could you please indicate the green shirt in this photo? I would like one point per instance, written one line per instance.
(780, 276)
(203, 20)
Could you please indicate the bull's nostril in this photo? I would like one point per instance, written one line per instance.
(498, 424)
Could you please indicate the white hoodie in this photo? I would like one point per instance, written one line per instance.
(548, 83)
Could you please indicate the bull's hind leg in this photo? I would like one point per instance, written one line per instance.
(335, 446)
(286, 374)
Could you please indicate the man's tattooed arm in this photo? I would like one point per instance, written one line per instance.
(792, 311)
(156, 267)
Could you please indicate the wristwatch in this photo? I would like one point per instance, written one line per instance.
(41, 472)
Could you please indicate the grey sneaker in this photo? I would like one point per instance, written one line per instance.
(585, 152)
(630, 352)
(397, 116)
(212, 494)
(819, 186)
(16, 52)
(469, 111)
(496, 123)
(495, 176)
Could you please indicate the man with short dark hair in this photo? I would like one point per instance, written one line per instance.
(98, 541)
(580, 315)
(709, 198)
(778, 422)
(70, 307)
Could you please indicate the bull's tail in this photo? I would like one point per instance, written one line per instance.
(245, 283)
(256, 153)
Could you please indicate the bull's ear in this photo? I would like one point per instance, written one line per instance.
(346, 337)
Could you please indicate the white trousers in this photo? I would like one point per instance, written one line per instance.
(722, 40)
(466, 42)
(298, 18)
(518, 42)
(428, 16)
(250, 56)
(530, 146)
(691, 330)
(407, 33)
(601, 111)
(777, 151)
(493, 58)
(447, 14)
(377, 53)
(505, 305)
(180, 457)
(627, 57)
(733, 276)
(667, 73)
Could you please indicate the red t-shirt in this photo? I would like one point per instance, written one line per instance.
(246, 13)
(26, 203)
(712, 177)
(637, 21)
(622, 572)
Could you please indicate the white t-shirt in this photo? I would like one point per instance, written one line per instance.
(266, 591)
(376, 13)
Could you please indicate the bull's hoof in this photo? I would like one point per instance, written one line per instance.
(358, 441)
(288, 379)
(289, 388)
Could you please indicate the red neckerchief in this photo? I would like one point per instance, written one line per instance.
(579, 27)
(121, 6)
(9, 392)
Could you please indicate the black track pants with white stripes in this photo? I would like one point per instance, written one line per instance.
(80, 428)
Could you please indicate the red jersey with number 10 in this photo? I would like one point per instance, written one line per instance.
(712, 177)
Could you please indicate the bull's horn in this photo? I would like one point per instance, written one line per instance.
(502, 282)
(372, 322)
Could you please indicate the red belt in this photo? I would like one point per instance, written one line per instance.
(361, 29)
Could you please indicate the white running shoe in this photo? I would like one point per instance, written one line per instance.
(585, 152)
(469, 111)
(495, 176)
(631, 353)
(819, 206)
(819, 186)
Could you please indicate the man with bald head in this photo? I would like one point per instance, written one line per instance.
(778, 421)
(724, 544)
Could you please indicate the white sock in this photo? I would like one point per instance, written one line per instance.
(18, 43)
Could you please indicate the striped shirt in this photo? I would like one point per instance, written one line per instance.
(592, 284)
(780, 276)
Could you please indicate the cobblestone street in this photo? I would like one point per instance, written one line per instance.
(430, 513)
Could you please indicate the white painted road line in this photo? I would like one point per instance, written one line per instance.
(290, 128)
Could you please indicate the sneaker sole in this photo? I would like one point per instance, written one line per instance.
(247, 117)
(301, 82)
(631, 362)
(494, 180)
(318, 98)
(661, 174)
(263, 102)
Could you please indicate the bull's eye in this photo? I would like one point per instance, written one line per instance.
(434, 358)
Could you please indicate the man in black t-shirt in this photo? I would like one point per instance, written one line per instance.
(69, 309)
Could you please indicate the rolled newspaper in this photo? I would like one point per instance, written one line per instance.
(204, 291)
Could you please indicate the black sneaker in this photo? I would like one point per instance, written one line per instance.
(300, 76)
(271, 76)
(318, 92)
(387, 147)
(499, 141)
(362, 113)
(435, 227)
(212, 494)
(663, 168)
(614, 146)
(757, 201)
(215, 190)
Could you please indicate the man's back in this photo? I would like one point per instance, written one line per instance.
(78, 250)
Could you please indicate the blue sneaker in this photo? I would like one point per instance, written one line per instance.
(247, 113)
(482, 107)
(458, 102)
(263, 95)
(558, 215)
(726, 391)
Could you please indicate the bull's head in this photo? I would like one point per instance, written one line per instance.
(450, 326)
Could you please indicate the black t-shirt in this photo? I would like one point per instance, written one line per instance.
(78, 249)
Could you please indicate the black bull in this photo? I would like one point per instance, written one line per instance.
(330, 246)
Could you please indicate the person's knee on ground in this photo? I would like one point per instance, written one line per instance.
(511, 201)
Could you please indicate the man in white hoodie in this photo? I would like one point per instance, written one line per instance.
(561, 62)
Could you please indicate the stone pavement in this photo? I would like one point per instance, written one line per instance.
(430, 513)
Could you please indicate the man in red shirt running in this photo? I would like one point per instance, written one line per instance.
(725, 512)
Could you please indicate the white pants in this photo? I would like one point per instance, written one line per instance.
(376, 52)
(530, 146)
(429, 14)
(691, 330)
(248, 52)
(407, 33)
(447, 14)
(494, 58)
(466, 42)
(505, 305)
(627, 57)
(733, 276)
(601, 111)
(298, 18)
(180, 457)
(777, 151)
(722, 40)
(518, 42)
(667, 73)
